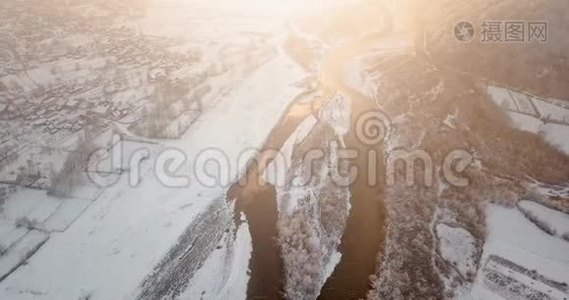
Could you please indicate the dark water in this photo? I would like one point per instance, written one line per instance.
(259, 204)
(365, 229)
(266, 266)
(361, 242)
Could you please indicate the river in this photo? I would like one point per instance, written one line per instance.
(366, 226)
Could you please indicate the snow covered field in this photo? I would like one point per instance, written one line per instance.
(555, 222)
(107, 252)
(224, 274)
(513, 237)
(533, 114)
(457, 247)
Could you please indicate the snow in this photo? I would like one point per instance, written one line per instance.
(26, 83)
(44, 210)
(457, 247)
(335, 258)
(21, 250)
(361, 81)
(275, 173)
(523, 103)
(449, 121)
(556, 220)
(551, 121)
(512, 236)
(10, 234)
(525, 122)
(551, 110)
(68, 211)
(224, 273)
(502, 97)
(517, 277)
(43, 160)
(120, 238)
(557, 135)
(48, 213)
(34, 205)
(337, 113)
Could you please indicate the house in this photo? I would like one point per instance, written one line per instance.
(49, 101)
(101, 109)
(20, 102)
(72, 103)
(40, 112)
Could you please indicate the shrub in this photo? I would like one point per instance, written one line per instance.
(27, 223)
(539, 223)
(63, 182)
(3, 197)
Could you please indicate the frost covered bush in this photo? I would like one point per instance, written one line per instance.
(310, 229)
(3, 197)
(302, 255)
(308, 238)
(506, 198)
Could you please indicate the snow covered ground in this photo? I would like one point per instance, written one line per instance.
(224, 274)
(513, 237)
(556, 222)
(457, 247)
(534, 114)
(109, 250)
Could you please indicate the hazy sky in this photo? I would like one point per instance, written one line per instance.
(277, 8)
(177, 18)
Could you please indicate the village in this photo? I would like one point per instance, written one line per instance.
(72, 78)
(68, 72)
